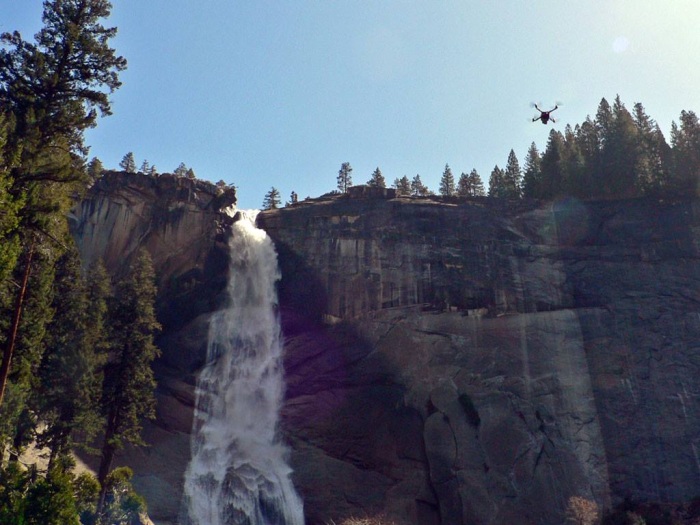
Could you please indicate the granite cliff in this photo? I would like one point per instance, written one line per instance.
(447, 361)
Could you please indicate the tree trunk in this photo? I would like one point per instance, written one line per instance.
(16, 316)
(108, 450)
(105, 466)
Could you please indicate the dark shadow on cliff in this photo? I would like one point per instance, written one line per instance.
(353, 438)
(633, 271)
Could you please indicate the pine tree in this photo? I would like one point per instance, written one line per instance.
(128, 163)
(685, 144)
(68, 393)
(272, 199)
(418, 189)
(403, 186)
(653, 154)
(377, 180)
(532, 177)
(476, 184)
(447, 182)
(129, 384)
(181, 170)
(574, 181)
(344, 177)
(550, 166)
(95, 169)
(145, 167)
(591, 149)
(620, 154)
(497, 186)
(512, 177)
(463, 186)
(55, 86)
(11, 206)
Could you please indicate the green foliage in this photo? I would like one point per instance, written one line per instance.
(497, 183)
(128, 163)
(403, 186)
(447, 182)
(512, 177)
(122, 503)
(14, 483)
(51, 500)
(60, 498)
(344, 177)
(55, 85)
(418, 189)
(377, 180)
(70, 373)
(95, 169)
(129, 384)
(272, 199)
(532, 177)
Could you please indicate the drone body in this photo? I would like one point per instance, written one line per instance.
(544, 115)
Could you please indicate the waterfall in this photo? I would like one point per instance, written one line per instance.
(238, 473)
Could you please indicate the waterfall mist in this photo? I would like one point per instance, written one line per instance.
(238, 473)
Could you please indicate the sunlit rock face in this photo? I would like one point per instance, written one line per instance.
(447, 361)
(489, 360)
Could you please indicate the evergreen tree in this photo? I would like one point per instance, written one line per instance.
(512, 177)
(190, 174)
(403, 186)
(463, 186)
(550, 166)
(55, 85)
(377, 180)
(344, 177)
(122, 504)
(181, 170)
(129, 385)
(272, 199)
(685, 144)
(293, 198)
(620, 154)
(68, 393)
(653, 154)
(11, 206)
(145, 167)
(51, 91)
(497, 187)
(418, 189)
(532, 177)
(590, 147)
(95, 169)
(28, 317)
(476, 184)
(128, 163)
(574, 181)
(51, 500)
(447, 182)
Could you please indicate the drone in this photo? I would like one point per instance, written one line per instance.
(544, 115)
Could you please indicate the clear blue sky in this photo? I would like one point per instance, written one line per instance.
(264, 93)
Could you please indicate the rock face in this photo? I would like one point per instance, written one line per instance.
(451, 362)
(490, 360)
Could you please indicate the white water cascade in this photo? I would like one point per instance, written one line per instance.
(238, 473)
